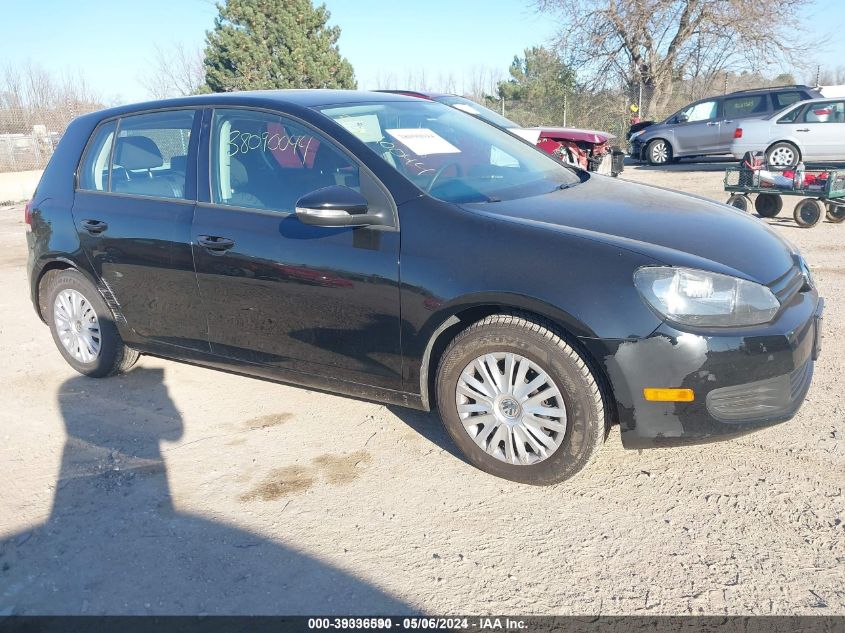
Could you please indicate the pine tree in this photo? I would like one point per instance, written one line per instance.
(267, 44)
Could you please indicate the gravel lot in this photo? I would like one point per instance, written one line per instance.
(176, 489)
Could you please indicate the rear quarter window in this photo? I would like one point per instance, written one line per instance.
(783, 99)
(94, 169)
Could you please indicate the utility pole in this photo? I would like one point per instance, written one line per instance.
(640, 101)
(564, 109)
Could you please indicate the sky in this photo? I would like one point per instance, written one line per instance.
(385, 40)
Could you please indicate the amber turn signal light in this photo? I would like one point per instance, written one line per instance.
(657, 394)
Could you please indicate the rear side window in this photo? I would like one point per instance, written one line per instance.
(264, 161)
(94, 170)
(750, 105)
(150, 155)
(783, 99)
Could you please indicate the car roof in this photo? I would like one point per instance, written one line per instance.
(267, 98)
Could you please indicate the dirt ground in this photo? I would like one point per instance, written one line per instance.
(177, 489)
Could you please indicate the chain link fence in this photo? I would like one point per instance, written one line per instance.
(28, 136)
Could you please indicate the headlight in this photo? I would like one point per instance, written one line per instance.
(701, 298)
(636, 134)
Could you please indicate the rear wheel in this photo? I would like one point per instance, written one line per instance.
(768, 205)
(782, 155)
(519, 401)
(83, 328)
(808, 213)
(658, 152)
(835, 212)
(739, 201)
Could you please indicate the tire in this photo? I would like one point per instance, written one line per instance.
(74, 302)
(835, 212)
(739, 201)
(783, 154)
(580, 430)
(658, 152)
(768, 205)
(808, 213)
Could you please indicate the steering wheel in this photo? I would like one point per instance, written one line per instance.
(440, 171)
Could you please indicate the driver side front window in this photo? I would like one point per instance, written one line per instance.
(264, 161)
(699, 112)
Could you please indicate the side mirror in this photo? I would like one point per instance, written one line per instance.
(682, 118)
(334, 206)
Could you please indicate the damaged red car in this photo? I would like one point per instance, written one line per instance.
(591, 150)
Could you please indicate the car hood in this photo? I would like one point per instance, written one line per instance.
(574, 134)
(670, 227)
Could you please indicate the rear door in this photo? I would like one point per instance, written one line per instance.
(822, 132)
(697, 129)
(280, 293)
(134, 204)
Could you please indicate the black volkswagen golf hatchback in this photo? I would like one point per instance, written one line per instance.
(396, 249)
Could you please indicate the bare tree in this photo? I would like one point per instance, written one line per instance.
(482, 82)
(829, 76)
(31, 95)
(654, 43)
(175, 71)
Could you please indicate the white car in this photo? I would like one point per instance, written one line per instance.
(812, 130)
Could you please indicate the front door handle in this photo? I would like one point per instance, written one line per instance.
(94, 227)
(712, 123)
(214, 244)
(803, 129)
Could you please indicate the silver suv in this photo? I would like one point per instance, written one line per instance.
(707, 127)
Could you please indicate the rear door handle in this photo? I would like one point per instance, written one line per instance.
(214, 244)
(803, 129)
(94, 227)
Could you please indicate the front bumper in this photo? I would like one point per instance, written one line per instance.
(636, 149)
(743, 379)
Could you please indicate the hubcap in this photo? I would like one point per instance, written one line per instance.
(659, 153)
(76, 324)
(782, 157)
(511, 408)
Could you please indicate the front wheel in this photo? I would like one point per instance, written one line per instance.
(519, 401)
(658, 152)
(782, 155)
(83, 328)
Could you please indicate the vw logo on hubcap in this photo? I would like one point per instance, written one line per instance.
(509, 407)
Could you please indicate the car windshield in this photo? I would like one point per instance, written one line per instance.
(465, 105)
(452, 156)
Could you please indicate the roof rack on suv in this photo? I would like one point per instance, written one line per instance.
(768, 88)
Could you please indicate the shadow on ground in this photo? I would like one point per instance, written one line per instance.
(115, 544)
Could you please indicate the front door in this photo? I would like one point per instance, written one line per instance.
(133, 210)
(280, 293)
(697, 129)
